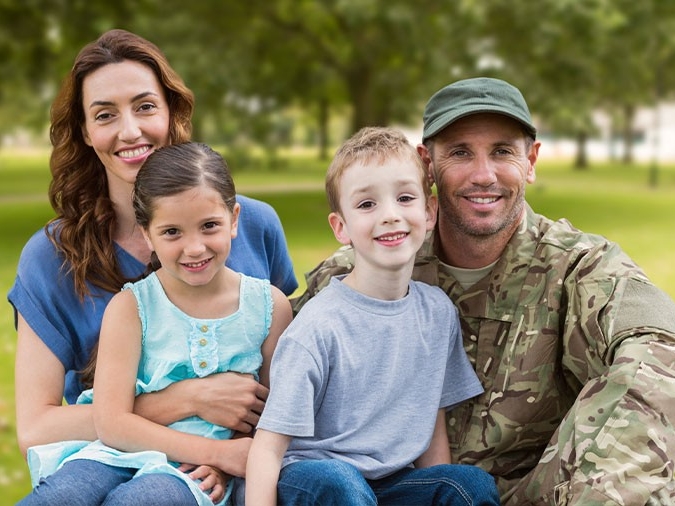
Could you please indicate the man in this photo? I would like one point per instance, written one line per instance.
(574, 346)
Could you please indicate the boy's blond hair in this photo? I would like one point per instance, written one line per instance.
(367, 145)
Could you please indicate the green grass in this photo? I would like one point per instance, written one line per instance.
(614, 201)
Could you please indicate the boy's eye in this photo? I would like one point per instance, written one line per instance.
(365, 205)
(171, 231)
(210, 225)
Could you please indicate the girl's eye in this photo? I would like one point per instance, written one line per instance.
(210, 225)
(171, 231)
(406, 198)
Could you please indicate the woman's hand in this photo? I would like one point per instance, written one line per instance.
(231, 400)
(227, 399)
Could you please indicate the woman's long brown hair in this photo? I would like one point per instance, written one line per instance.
(85, 219)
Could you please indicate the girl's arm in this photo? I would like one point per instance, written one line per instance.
(439, 449)
(39, 376)
(264, 464)
(229, 399)
(114, 386)
(281, 318)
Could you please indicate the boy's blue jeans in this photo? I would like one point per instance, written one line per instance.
(86, 482)
(333, 482)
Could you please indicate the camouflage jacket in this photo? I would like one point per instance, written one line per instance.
(575, 348)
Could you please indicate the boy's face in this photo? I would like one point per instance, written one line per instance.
(384, 212)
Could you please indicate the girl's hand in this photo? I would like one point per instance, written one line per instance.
(234, 454)
(213, 480)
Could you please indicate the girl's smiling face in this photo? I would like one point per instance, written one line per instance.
(191, 233)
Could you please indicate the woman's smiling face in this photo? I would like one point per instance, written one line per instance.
(126, 118)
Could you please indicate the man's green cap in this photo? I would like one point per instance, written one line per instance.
(472, 96)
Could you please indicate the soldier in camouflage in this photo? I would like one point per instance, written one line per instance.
(574, 346)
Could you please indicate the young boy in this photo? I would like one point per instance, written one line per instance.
(362, 377)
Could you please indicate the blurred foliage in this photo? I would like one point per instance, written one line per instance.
(264, 70)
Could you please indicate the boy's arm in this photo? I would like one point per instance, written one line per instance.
(264, 464)
(439, 449)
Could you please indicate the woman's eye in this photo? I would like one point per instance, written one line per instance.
(146, 107)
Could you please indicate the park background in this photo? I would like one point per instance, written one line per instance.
(280, 83)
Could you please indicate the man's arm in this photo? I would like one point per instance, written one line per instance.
(616, 445)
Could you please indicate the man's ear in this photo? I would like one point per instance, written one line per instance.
(339, 228)
(423, 151)
(532, 157)
(432, 212)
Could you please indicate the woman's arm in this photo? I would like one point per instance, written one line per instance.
(264, 464)
(39, 376)
(227, 399)
(439, 449)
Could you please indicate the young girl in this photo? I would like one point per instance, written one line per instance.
(191, 317)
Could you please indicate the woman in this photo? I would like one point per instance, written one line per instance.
(120, 102)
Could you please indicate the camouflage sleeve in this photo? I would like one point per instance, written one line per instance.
(340, 262)
(617, 443)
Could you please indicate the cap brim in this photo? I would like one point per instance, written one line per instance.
(450, 117)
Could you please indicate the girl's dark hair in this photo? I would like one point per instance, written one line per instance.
(168, 171)
(174, 169)
(85, 221)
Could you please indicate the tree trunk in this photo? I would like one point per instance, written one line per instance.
(323, 128)
(581, 160)
(628, 114)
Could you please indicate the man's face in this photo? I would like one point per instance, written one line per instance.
(481, 164)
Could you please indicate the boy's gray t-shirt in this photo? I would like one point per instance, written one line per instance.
(361, 379)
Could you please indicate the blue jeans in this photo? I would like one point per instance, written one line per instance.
(86, 482)
(333, 482)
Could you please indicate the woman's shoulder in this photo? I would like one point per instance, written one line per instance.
(39, 249)
(256, 211)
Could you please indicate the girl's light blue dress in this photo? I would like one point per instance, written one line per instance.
(175, 347)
